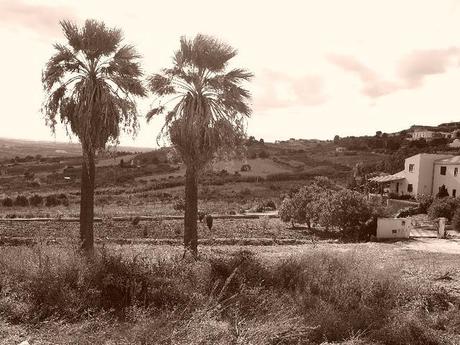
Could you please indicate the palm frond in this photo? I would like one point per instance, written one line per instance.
(91, 84)
(153, 112)
(209, 103)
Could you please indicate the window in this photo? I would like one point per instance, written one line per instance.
(455, 171)
(443, 170)
(410, 188)
(454, 193)
(411, 167)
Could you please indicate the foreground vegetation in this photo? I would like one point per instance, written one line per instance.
(51, 295)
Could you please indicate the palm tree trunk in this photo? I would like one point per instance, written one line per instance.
(87, 204)
(191, 211)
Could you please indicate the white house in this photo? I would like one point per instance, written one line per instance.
(425, 174)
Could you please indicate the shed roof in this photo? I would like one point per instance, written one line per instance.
(452, 160)
(389, 178)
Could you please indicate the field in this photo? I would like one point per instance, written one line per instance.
(311, 294)
(257, 281)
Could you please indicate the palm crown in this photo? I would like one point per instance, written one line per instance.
(203, 103)
(91, 83)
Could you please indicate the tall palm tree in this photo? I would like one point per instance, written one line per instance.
(90, 85)
(205, 106)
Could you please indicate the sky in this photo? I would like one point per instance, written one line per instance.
(321, 67)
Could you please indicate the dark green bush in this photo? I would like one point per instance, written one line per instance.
(7, 202)
(444, 207)
(241, 269)
(36, 200)
(21, 200)
(51, 200)
(456, 219)
(179, 205)
(424, 201)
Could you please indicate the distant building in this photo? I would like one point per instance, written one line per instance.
(429, 135)
(423, 134)
(455, 143)
(425, 174)
(340, 149)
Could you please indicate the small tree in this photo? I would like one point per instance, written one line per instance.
(442, 193)
(285, 211)
(444, 207)
(347, 210)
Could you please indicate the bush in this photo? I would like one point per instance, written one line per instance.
(346, 210)
(21, 200)
(396, 196)
(56, 200)
(285, 211)
(444, 207)
(456, 220)
(230, 274)
(63, 200)
(319, 297)
(424, 201)
(7, 202)
(51, 200)
(407, 212)
(179, 205)
(36, 200)
(270, 205)
(442, 193)
(264, 154)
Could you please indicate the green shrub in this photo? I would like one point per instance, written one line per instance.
(442, 193)
(36, 200)
(229, 275)
(444, 207)
(346, 210)
(179, 205)
(456, 219)
(425, 201)
(51, 200)
(285, 211)
(21, 200)
(7, 202)
(62, 199)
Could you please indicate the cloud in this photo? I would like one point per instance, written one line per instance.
(43, 19)
(279, 90)
(414, 67)
(411, 70)
(373, 85)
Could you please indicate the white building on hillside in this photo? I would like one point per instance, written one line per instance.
(425, 174)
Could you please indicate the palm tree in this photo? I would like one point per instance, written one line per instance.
(90, 85)
(205, 106)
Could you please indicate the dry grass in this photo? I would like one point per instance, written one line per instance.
(349, 295)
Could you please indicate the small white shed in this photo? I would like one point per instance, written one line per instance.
(393, 228)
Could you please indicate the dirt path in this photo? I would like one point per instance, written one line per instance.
(432, 245)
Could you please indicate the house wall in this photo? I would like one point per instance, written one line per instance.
(421, 178)
(392, 187)
(393, 228)
(449, 180)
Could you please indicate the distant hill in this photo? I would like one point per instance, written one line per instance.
(10, 148)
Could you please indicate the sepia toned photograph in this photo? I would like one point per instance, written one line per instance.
(240, 172)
